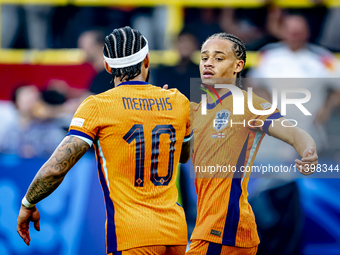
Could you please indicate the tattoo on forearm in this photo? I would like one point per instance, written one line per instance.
(54, 170)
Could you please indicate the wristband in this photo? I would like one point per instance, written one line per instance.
(26, 203)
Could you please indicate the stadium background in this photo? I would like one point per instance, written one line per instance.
(40, 47)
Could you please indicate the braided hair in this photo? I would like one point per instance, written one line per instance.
(124, 42)
(239, 50)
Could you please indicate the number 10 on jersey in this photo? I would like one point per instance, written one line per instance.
(137, 133)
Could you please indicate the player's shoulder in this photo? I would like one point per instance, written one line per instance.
(255, 98)
(194, 106)
(106, 96)
(272, 47)
(245, 94)
(88, 105)
(319, 50)
(106, 93)
(272, 51)
(176, 93)
(172, 93)
(89, 101)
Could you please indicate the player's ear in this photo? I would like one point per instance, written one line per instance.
(108, 69)
(147, 61)
(239, 64)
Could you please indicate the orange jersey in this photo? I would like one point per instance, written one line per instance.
(228, 141)
(138, 130)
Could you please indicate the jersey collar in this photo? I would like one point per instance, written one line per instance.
(212, 105)
(133, 83)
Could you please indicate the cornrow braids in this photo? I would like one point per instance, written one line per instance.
(120, 43)
(239, 50)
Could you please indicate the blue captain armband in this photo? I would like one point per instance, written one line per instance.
(266, 125)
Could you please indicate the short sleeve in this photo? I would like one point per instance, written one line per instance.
(261, 122)
(85, 122)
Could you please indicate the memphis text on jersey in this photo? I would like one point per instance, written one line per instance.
(147, 104)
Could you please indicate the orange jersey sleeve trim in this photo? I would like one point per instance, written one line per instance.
(111, 236)
(79, 133)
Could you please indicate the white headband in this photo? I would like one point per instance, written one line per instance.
(129, 60)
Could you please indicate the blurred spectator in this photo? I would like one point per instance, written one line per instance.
(294, 57)
(70, 21)
(284, 65)
(259, 26)
(314, 16)
(279, 217)
(330, 36)
(179, 76)
(34, 132)
(250, 25)
(152, 23)
(15, 20)
(91, 42)
(329, 115)
(63, 111)
(64, 88)
(202, 22)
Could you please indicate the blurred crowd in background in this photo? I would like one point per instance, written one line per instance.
(292, 43)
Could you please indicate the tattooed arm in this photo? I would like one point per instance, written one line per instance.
(48, 178)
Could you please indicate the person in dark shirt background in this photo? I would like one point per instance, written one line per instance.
(91, 42)
(178, 76)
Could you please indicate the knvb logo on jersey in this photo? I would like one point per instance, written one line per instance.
(221, 120)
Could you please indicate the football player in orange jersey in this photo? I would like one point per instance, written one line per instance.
(140, 132)
(225, 222)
